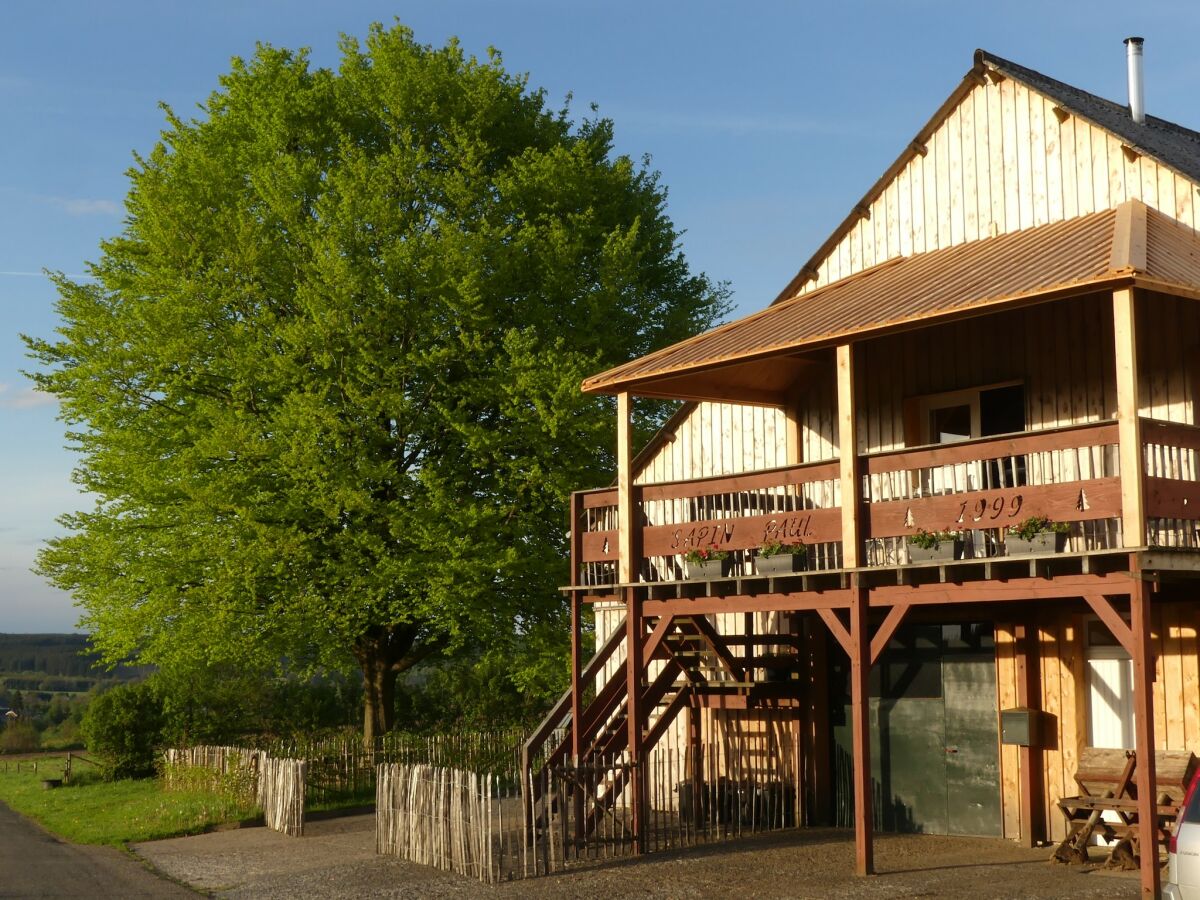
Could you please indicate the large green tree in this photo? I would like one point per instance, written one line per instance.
(324, 384)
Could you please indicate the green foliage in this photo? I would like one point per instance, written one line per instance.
(123, 728)
(19, 736)
(782, 548)
(325, 384)
(230, 707)
(1030, 528)
(931, 540)
(116, 812)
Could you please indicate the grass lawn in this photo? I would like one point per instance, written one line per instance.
(91, 811)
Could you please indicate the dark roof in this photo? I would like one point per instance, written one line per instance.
(1174, 145)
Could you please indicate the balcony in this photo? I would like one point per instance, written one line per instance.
(977, 488)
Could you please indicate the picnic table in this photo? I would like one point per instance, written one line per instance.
(1107, 781)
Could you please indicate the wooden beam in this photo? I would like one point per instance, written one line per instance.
(837, 629)
(886, 629)
(635, 635)
(848, 455)
(666, 718)
(735, 603)
(1129, 424)
(1103, 608)
(717, 644)
(576, 692)
(1143, 714)
(658, 635)
(1129, 238)
(1029, 695)
(627, 568)
(860, 670)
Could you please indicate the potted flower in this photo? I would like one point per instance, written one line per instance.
(1037, 534)
(780, 558)
(926, 546)
(706, 562)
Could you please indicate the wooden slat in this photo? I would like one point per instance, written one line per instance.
(1169, 498)
(1069, 437)
(1170, 434)
(726, 484)
(599, 499)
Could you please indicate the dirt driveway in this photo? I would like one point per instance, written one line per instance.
(336, 858)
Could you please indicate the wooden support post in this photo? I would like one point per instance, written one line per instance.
(791, 412)
(627, 565)
(635, 636)
(848, 456)
(1143, 714)
(821, 768)
(860, 670)
(577, 711)
(695, 764)
(1129, 427)
(1029, 694)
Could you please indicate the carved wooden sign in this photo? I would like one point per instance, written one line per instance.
(811, 526)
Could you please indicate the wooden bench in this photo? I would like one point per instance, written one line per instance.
(1107, 781)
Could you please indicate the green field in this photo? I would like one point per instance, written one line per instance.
(91, 811)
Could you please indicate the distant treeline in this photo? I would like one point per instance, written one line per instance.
(64, 655)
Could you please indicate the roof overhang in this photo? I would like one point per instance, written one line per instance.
(763, 358)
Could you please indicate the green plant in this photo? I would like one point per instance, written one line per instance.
(782, 548)
(931, 540)
(698, 555)
(124, 727)
(1030, 528)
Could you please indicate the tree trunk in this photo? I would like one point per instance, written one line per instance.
(383, 653)
(379, 697)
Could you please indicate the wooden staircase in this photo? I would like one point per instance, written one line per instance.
(694, 659)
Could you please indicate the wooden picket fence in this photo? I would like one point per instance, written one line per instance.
(276, 785)
(475, 824)
(281, 793)
(340, 767)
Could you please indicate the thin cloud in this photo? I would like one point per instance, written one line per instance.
(24, 397)
(84, 206)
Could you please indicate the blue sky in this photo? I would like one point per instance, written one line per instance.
(768, 121)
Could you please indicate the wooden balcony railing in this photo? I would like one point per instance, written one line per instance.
(734, 513)
(980, 487)
(977, 487)
(1170, 457)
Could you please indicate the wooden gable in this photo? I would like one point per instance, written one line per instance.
(999, 156)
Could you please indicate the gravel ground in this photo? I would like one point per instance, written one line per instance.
(336, 858)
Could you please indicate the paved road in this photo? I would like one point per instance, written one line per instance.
(34, 863)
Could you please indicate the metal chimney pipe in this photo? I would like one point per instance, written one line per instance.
(1137, 100)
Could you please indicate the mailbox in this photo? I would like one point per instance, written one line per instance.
(1020, 726)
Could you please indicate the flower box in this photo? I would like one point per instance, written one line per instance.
(1045, 542)
(943, 552)
(781, 564)
(709, 568)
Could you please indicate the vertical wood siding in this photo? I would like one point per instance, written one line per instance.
(720, 439)
(1002, 161)
(1064, 696)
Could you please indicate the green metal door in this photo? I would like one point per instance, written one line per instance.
(934, 740)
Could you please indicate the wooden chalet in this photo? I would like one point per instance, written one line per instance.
(1007, 325)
